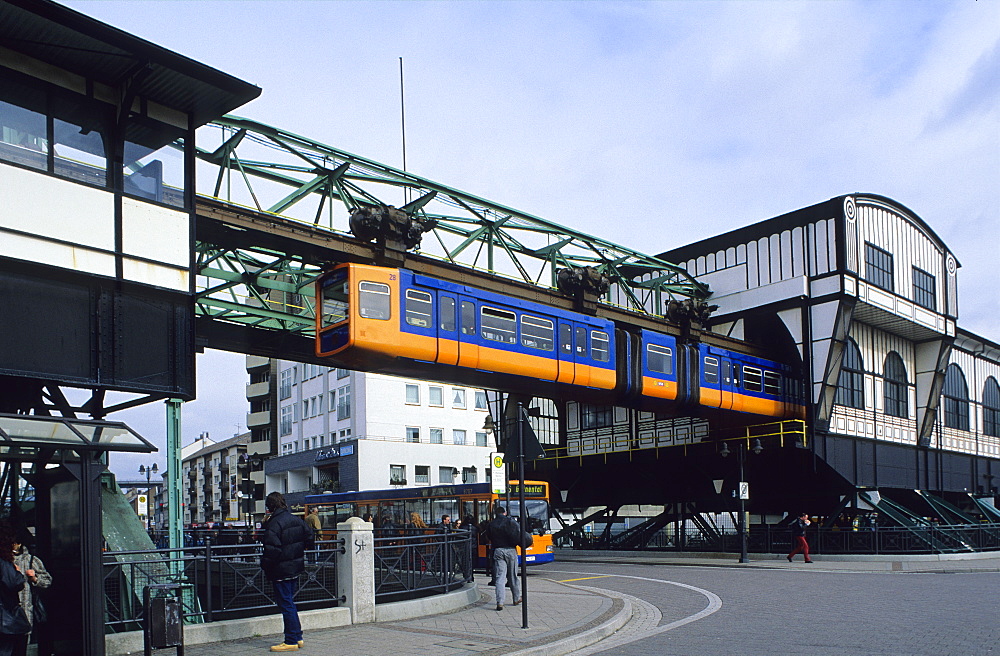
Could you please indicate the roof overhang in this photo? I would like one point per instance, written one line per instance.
(25, 435)
(72, 41)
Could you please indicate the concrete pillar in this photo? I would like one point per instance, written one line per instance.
(356, 569)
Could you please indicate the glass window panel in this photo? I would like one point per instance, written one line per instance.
(79, 153)
(850, 384)
(498, 325)
(772, 383)
(600, 348)
(435, 396)
(419, 308)
(412, 394)
(468, 318)
(753, 379)
(375, 300)
(537, 333)
(154, 173)
(879, 267)
(23, 136)
(924, 289)
(447, 309)
(565, 339)
(711, 370)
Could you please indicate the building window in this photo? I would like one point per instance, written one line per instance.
(397, 474)
(480, 438)
(923, 290)
(481, 400)
(421, 474)
(435, 396)
(344, 402)
(306, 444)
(956, 399)
(469, 475)
(595, 416)
(851, 383)
(285, 422)
(343, 373)
(878, 267)
(412, 434)
(413, 394)
(991, 407)
(285, 384)
(333, 401)
(437, 436)
(458, 436)
(458, 398)
(446, 475)
(894, 385)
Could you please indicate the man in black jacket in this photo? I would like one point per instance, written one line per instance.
(283, 560)
(504, 534)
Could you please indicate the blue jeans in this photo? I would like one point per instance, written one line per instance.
(284, 592)
(505, 562)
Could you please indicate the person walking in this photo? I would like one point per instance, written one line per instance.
(38, 578)
(283, 559)
(799, 544)
(504, 535)
(14, 625)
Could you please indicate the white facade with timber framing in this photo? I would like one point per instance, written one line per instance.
(868, 295)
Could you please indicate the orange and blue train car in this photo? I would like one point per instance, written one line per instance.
(396, 320)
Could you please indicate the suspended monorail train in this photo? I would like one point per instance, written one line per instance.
(401, 322)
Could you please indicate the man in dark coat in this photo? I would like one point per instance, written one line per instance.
(504, 534)
(284, 541)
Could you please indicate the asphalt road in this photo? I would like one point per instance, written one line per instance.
(713, 611)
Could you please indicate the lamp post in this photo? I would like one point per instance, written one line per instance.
(148, 471)
(742, 492)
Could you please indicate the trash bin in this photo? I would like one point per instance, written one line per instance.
(164, 614)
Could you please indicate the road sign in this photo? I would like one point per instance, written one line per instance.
(744, 490)
(498, 474)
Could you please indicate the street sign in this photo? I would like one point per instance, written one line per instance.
(744, 490)
(498, 474)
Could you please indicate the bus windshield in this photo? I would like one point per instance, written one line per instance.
(538, 514)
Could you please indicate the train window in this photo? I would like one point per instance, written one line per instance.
(772, 383)
(752, 379)
(335, 302)
(711, 370)
(581, 342)
(537, 333)
(659, 359)
(565, 339)
(419, 308)
(447, 310)
(468, 318)
(727, 372)
(498, 325)
(736, 375)
(374, 300)
(600, 346)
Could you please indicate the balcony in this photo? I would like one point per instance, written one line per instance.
(255, 419)
(257, 389)
(254, 361)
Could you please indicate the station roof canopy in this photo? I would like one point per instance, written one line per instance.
(20, 434)
(72, 41)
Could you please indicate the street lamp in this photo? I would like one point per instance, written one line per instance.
(742, 492)
(148, 471)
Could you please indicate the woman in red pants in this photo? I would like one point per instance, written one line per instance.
(799, 544)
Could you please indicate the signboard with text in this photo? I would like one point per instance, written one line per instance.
(498, 473)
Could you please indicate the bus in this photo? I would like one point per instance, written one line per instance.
(392, 507)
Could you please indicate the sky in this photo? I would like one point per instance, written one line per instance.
(650, 124)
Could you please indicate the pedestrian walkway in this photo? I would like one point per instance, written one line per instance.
(563, 616)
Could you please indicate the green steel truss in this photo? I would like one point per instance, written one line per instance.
(274, 172)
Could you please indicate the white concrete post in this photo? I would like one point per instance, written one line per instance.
(356, 569)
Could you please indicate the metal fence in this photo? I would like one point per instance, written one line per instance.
(222, 582)
(415, 562)
(929, 539)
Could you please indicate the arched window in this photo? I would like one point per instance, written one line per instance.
(956, 399)
(894, 386)
(851, 384)
(991, 407)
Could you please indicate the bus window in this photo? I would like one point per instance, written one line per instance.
(659, 359)
(600, 346)
(419, 308)
(374, 301)
(711, 370)
(498, 325)
(536, 333)
(447, 310)
(468, 318)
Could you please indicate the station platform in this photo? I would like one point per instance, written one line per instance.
(564, 615)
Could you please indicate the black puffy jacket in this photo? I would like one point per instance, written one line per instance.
(284, 542)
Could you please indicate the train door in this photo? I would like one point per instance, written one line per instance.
(581, 356)
(448, 342)
(468, 333)
(564, 354)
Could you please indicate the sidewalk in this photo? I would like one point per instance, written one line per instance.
(561, 616)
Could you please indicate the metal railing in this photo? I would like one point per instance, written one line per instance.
(226, 582)
(930, 539)
(417, 562)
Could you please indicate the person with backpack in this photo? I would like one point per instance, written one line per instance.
(505, 536)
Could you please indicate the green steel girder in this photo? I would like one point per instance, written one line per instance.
(261, 166)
